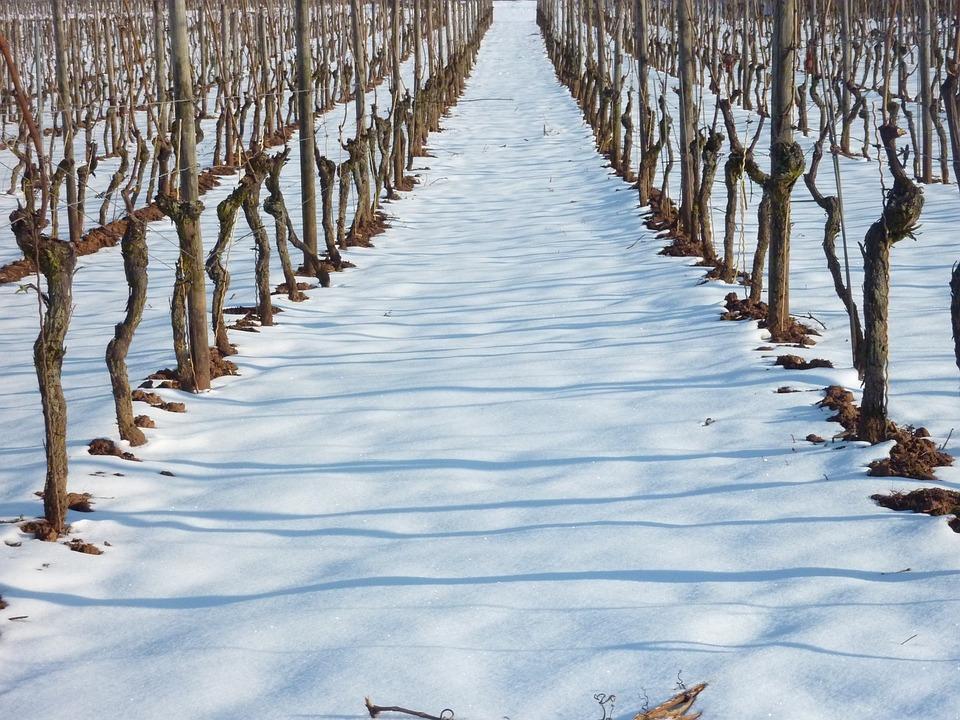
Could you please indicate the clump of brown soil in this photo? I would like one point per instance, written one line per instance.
(914, 455)
(743, 308)
(206, 182)
(154, 400)
(94, 239)
(738, 308)
(105, 446)
(283, 289)
(167, 378)
(100, 237)
(210, 178)
(663, 213)
(249, 320)
(795, 362)
(220, 366)
(170, 379)
(815, 439)
(362, 236)
(681, 245)
(150, 213)
(840, 400)
(327, 267)
(405, 184)
(3, 603)
(784, 389)
(795, 333)
(247, 309)
(279, 137)
(16, 270)
(248, 323)
(81, 502)
(930, 501)
(78, 545)
(144, 421)
(40, 529)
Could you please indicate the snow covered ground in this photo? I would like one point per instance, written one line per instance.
(510, 461)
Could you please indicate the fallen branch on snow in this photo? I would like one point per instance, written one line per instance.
(676, 707)
(375, 710)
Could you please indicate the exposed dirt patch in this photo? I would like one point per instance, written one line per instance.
(795, 333)
(327, 267)
(78, 545)
(210, 178)
(362, 236)
(169, 379)
(930, 501)
(795, 362)
(663, 213)
(783, 389)
(406, 184)
(81, 502)
(151, 399)
(165, 378)
(815, 439)
(282, 289)
(105, 446)
(840, 400)
(3, 603)
(280, 137)
(220, 366)
(101, 237)
(109, 235)
(248, 322)
(156, 401)
(914, 455)
(737, 308)
(682, 246)
(40, 529)
(16, 270)
(96, 238)
(743, 308)
(246, 309)
(144, 421)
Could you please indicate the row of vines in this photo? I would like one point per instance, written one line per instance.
(691, 83)
(176, 97)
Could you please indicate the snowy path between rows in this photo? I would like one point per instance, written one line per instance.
(479, 473)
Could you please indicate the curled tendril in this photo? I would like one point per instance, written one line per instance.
(604, 701)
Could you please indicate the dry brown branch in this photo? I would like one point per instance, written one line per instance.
(676, 707)
(375, 710)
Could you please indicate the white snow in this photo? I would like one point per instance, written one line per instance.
(477, 473)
